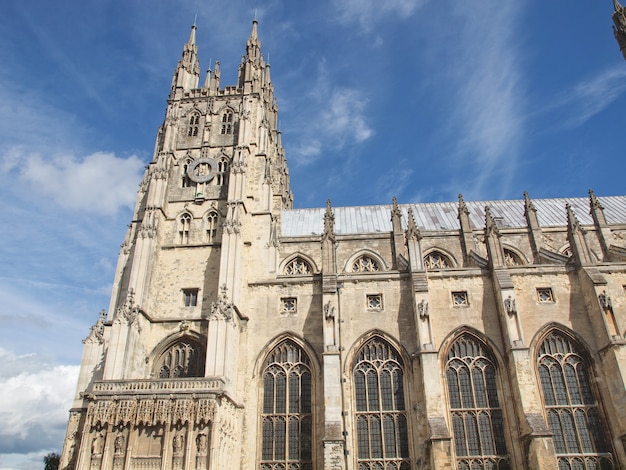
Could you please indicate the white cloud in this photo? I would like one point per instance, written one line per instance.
(34, 401)
(488, 94)
(99, 183)
(592, 96)
(368, 12)
(339, 119)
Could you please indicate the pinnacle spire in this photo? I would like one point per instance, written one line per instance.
(187, 73)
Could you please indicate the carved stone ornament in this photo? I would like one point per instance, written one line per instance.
(422, 309)
(329, 311)
(129, 311)
(201, 443)
(222, 309)
(120, 445)
(96, 334)
(510, 306)
(177, 444)
(605, 301)
(184, 326)
(202, 170)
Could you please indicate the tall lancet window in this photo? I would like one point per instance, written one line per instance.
(286, 415)
(477, 420)
(227, 123)
(211, 226)
(580, 436)
(194, 121)
(184, 223)
(381, 423)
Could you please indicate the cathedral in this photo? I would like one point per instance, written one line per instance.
(243, 334)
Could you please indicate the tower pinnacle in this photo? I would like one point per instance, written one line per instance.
(187, 71)
(619, 28)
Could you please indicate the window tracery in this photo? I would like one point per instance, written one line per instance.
(365, 264)
(511, 258)
(477, 419)
(222, 171)
(286, 419)
(184, 224)
(227, 123)
(580, 436)
(211, 231)
(185, 358)
(297, 266)
(436, 260)
(194, 121)
(381, 422)
(186, 181)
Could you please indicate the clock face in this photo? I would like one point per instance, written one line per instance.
(202, 170)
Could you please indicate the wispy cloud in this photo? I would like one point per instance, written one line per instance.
(487, 83)
(367, 12)
(339, 119)
(591, 96)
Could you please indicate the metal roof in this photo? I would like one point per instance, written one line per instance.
(443, 215)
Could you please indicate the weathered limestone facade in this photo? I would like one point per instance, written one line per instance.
(244, 334)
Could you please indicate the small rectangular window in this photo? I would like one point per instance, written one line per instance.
(190, 297)
(460, 299)
(544, 295)
(374, 301)
(289, 305)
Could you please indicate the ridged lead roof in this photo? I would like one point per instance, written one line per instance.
(443, 215)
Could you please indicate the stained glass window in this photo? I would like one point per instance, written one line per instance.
(580, 437)
(297, 266)
(477, 420)
(287, 427)
(365, 264)
(436, 260)
(184, 359)
(381, 422)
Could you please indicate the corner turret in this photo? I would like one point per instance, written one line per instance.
(187, 73)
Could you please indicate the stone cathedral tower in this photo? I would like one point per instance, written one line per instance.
(243, 334)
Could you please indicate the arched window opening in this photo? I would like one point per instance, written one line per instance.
(580, 435)
(365, 264)
(381, 422)
(187, 183)
(436, 260)
(297, 266)
(222, 171)
(194, 121)
(183, 359)
(211, 230)
(511, 258)
(184, 223)
(286, 420)
(477, 420)
(227, 120)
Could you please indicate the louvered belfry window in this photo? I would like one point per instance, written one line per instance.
(477, 421)
(287, 428)
(381, 422)
(580, 436)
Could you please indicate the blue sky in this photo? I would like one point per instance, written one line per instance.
(414, 98)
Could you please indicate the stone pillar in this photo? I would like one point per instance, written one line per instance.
(534, 229)
(465, 232)
(333, 438)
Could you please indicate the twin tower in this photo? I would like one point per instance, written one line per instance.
(244, 334)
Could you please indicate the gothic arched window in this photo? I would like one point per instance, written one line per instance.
(297, 266)
(187, 183)
(477, 421)
(436, 260)
(184, 223)
(365, 264)
(222, 169)
(227, 123)
(580, 436)
(511, 258)
(381, 422)
(184, 358)
(286, 419)
(194, 121)
(211, 228)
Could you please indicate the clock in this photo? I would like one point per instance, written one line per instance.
(202, 170)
